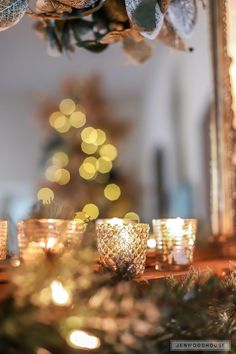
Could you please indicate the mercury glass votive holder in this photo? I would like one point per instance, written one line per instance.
(3, 240)
(175, 240)
(53, 236)
(122, 245)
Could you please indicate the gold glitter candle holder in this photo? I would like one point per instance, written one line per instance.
(53, 236)
(3, 240)
(175, 240)
(122, 245)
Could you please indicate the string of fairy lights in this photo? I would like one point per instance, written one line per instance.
(100, 155)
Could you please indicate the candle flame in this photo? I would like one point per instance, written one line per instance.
(83, 340)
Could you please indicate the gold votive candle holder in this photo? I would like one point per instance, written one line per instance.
(175, 240)
(3, 239)
(122, 245)
(52, 236)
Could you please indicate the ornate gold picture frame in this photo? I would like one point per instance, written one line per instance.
(223, 135)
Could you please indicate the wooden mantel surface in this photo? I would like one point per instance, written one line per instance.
(218, 266)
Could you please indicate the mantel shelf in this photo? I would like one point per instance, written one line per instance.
(217, 266)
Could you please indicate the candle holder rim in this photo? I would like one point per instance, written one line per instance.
(125, 224)
(107, 221)
(154, 221)
(45, 220)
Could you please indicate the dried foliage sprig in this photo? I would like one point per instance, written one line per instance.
(94, 24)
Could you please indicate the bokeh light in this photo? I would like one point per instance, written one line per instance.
(67, 106)
(77, 119)
(101, 137)
(151, 243)
(83, 340)
(87, 172)
(50, 173)
(81, 217)
(59, 122)
(112, 191)
(104, 165)
(60, 296)
(88, 149)
(89, 135)
(45, 195)
(132, 216)
(65, 127)
(53, 117)
(62, 176)
(60, 159)
(108, 151)
(91, 210)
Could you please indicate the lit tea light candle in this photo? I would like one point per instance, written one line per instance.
(47, 236)
(122, 245)
(175, 241)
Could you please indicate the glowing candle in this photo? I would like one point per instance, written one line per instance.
(51, 236)
(122, 245)
(175, 239)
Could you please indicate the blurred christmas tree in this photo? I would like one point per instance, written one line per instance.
(80, 158)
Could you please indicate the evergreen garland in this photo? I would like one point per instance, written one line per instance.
(128, 317)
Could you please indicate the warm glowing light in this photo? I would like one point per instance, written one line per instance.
(101, 137)
(62, 176)
(115, 221)
(77, 119)
(175, 227)
(81, 217)
(91, 210)
(67, 106)
(45, 195)
(112, 192)
(53, 118)
(89, 168)
(60, 159)
(51, 243)
(108, 151)
(89, 135)
(65, 127)
(50, 173)
(104, 165)
(88, 149)
(60, 296)
(81, 339)
(91, 160)
(151, 243)
(87, 171)
(59, 122)
(132, 216)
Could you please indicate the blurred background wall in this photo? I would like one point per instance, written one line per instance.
(168, 95)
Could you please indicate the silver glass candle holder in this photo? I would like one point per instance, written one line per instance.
(122, 245)
(175, 240)
(52, 236)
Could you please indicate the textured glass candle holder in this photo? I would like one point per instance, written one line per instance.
(122, 246)
(53, 236)
(3, 240)
(175, 240)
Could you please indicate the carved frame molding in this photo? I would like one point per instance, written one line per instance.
(222, 132)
